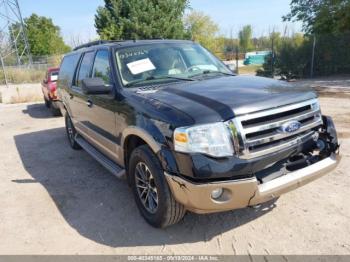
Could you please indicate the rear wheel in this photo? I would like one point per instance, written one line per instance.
(54, 110)
(151, 191)
(47, 102)
(71, 133)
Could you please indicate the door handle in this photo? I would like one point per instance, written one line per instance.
(89, 103)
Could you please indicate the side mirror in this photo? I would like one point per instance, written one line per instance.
(95, 86)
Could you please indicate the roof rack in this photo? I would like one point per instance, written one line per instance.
(98, 42)
(101, 42)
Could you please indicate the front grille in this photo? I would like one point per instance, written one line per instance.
(260, 133)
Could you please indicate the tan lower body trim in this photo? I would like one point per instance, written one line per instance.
(107, 147)
(242, 193)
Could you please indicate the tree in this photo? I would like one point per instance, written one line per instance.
(321, 16)
(140, 19)
(43, 36)
(202, 29)
(263, 43)
(245, 38)
(291, 58)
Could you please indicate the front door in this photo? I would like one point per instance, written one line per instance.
(101, 120)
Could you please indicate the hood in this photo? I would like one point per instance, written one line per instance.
(221, 99)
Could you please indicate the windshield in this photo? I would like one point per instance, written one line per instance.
(166, 61)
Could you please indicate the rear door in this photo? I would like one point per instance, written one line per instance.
(101, 115)
(65, 81)
(78, 99)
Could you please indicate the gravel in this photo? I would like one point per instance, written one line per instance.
(54, 200)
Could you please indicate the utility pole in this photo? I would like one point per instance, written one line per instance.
(236, 51)
(273, 55)
(14, 43)
(313, 58)
(24, 33)
(237, 58)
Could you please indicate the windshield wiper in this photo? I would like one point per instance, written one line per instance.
(150, 78)
(207, 72)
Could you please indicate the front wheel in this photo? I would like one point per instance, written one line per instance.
(151, 191)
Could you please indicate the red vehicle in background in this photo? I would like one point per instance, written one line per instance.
(49, 88)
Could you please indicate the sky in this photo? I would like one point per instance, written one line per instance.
(76, 17)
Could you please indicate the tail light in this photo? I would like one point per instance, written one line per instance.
(52, 86)
(53, 90)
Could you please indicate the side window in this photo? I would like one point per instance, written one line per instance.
(85, 67)
(102, 67)
(67, 69)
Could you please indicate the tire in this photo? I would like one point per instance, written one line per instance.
(71, 133)
(47, 102)
(54, 110)
(168, 211)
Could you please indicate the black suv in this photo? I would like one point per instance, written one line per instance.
(186, 132)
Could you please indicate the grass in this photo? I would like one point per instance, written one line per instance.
(22, 75)
(249, 69)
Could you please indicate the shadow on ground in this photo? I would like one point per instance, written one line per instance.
(100, 207)
(38, 111)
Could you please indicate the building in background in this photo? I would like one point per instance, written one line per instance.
(255, 58)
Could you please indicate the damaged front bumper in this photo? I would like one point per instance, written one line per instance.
(197, 197)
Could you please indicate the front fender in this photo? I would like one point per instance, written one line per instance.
(155, 134)
(143, 134)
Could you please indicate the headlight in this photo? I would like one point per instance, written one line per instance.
(315, 106)
(211, 139)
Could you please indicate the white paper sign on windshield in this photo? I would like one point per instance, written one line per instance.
(141, 66)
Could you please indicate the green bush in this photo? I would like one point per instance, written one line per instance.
(332, 54)
(290, 58)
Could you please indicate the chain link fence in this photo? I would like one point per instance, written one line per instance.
(309, 56)
(12, 73)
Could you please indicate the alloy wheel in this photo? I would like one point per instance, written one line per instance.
(70, 130)
(146, 188)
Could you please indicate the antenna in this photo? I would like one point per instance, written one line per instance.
(14, 46)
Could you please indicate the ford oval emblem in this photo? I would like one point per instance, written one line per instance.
(290, 127)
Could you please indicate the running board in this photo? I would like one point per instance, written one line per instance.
(101, 158)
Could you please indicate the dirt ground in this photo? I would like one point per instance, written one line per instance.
(54, 200)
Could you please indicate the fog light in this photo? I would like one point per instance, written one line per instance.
(217, 193)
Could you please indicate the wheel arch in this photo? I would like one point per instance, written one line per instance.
(136, 136)
(133, 137)
(65, 109)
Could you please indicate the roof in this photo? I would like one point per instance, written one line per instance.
(50, 69)
(122, 43)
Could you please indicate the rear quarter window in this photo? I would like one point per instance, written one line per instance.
(67, 70)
